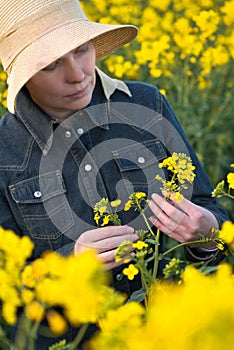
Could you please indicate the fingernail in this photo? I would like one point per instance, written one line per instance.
(129, 229)
(154, 196)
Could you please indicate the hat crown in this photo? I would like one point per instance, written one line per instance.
(25, 10)
(23, 24)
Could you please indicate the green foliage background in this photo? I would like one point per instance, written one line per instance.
(186, 48)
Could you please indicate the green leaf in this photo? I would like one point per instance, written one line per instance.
(150, 241)
(206, 270)
(61, 345)
(138, 295)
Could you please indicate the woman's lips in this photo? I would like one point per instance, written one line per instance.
(78, 93)
(81, 92)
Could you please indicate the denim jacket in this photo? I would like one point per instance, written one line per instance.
(52, 174)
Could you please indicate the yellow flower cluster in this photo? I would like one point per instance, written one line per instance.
(78, 285)
(103, 212)
(198, 33)
(136, 200)
(3, 88)
(181, 168)
(172, 269)
(220, 189)
(226, 234)
(181, 165)
(14, 252)
(201, 305)
(230, 180)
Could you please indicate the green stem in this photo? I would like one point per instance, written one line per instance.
(5, 343)
(79, 336)
(156, 254)
(144, 285)
(229, 195)
(23, 332)
(225, 194)
(147, 223)
(33, 335)
(187, 243)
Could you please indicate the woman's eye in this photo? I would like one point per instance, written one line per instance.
(51, 66)
(81, 49)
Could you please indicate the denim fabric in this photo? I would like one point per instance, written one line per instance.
(52, 174)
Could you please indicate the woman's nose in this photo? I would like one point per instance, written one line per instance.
(74, 71)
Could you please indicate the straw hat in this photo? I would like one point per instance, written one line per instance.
(35, 33)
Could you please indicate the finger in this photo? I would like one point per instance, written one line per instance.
(184, 205)
(110, 256)
(170, 228)
(111, 265)
(108, 231)
(109, 259)
(110, 243)
(105, 239)
(167, 212)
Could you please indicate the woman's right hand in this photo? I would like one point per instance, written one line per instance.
(105, 241)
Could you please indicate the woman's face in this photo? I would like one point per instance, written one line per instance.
(66, 85)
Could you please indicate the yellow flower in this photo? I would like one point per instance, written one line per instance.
(106, 220)
(128, 205)
(101, 206)
(126, 315)
(3, 76)
(57, 323)
(131, 271)
(35, 311)
(212, 328)
(102, 209)
(220, 246)
(115, 203)
(169, 163)
(97, 217)
(226, 234)
(139, 245)
(27, 296)
(172, 268)
(163, 92)
(227, 9)
(230, 180)
(178, 197)
(140, 195)
(9, 312)
(118, 259)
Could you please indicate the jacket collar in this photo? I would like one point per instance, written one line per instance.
(40, 124)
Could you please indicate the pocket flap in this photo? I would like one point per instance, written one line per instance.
(139, 155)
(39, 188)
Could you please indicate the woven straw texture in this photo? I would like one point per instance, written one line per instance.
(34, 33)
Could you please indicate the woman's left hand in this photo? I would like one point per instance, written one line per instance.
(184, 221)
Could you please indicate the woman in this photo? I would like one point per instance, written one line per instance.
(73, 135)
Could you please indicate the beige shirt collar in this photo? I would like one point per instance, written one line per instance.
(110, 85)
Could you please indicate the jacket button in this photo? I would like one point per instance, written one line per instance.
(88, 167)
(119, 277)
(68, 134)
(80, 131)
(37, 194)
(141, 160)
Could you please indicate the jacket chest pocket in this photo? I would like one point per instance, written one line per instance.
(43, 205)
(138, 164)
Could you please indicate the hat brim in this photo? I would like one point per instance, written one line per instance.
(58, 42)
